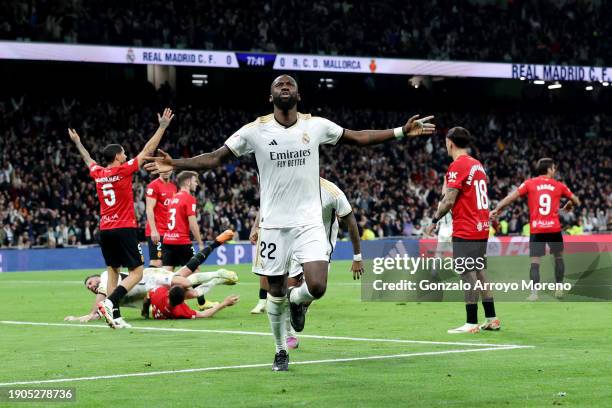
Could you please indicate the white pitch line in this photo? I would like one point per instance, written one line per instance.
(80, 282)
(63, 282)
(252, 333)
(194, 370)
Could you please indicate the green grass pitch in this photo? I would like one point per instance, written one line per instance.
(572, 352)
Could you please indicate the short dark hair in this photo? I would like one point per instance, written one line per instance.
(185, 176)
(543, 165)
(460, 136)
(90, 276)
(110, 152)
(176, 295)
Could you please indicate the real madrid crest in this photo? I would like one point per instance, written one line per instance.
(305, 138)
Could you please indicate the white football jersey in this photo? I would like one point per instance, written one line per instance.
(288, 163)
(445, 226)
(335, 204)
(133, 298)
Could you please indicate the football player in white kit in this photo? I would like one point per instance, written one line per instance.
(286, 147)
(445, 235)
(336, 211)
(153, 278)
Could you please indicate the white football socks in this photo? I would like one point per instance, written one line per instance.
(202, 277)
(278, 312)
(301, 295)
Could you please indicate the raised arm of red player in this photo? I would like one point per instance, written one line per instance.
(149, 148)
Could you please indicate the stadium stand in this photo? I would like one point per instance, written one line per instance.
(47, 198)
(573, 32)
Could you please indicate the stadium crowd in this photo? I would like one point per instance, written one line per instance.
(48, 199)
(510, 30)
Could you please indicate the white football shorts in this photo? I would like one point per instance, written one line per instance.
(278, 247)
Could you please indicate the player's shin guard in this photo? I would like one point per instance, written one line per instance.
(278, 313)
(534, 273)
(559, 269)
(301, 295)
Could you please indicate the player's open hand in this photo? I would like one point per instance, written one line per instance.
(494, 214)
(231, 300)
(82, 319)
(357, 269)
(165, 118)
(159, 164)
(430, 229)
(417, 127)
(74, 136)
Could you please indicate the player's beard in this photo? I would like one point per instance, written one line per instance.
(285, 104)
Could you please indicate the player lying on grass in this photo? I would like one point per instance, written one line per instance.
(195, 285)
(168, 304)
(336, 211)
(154, 277)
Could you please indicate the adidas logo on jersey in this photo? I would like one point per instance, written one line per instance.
(273, 143)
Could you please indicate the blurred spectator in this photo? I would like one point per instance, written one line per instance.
(48, 199)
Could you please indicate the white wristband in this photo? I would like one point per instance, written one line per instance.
(398, 132)
(357, 257)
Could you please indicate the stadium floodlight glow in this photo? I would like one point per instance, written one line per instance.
(605, 83)
(589, 87)
(539, 82)
(554, 86)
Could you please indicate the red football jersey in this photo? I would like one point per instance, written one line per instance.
(182, 206)
(163, 193)
(471, 209)
(543, 198)
(160, 305)
(114, 186)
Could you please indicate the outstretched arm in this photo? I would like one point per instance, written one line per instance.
(506, 201)
(149, 149)
(350, 223)
(414, 127)
(74, 136)
(228, 301)
(164, 163)
(92, 315)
